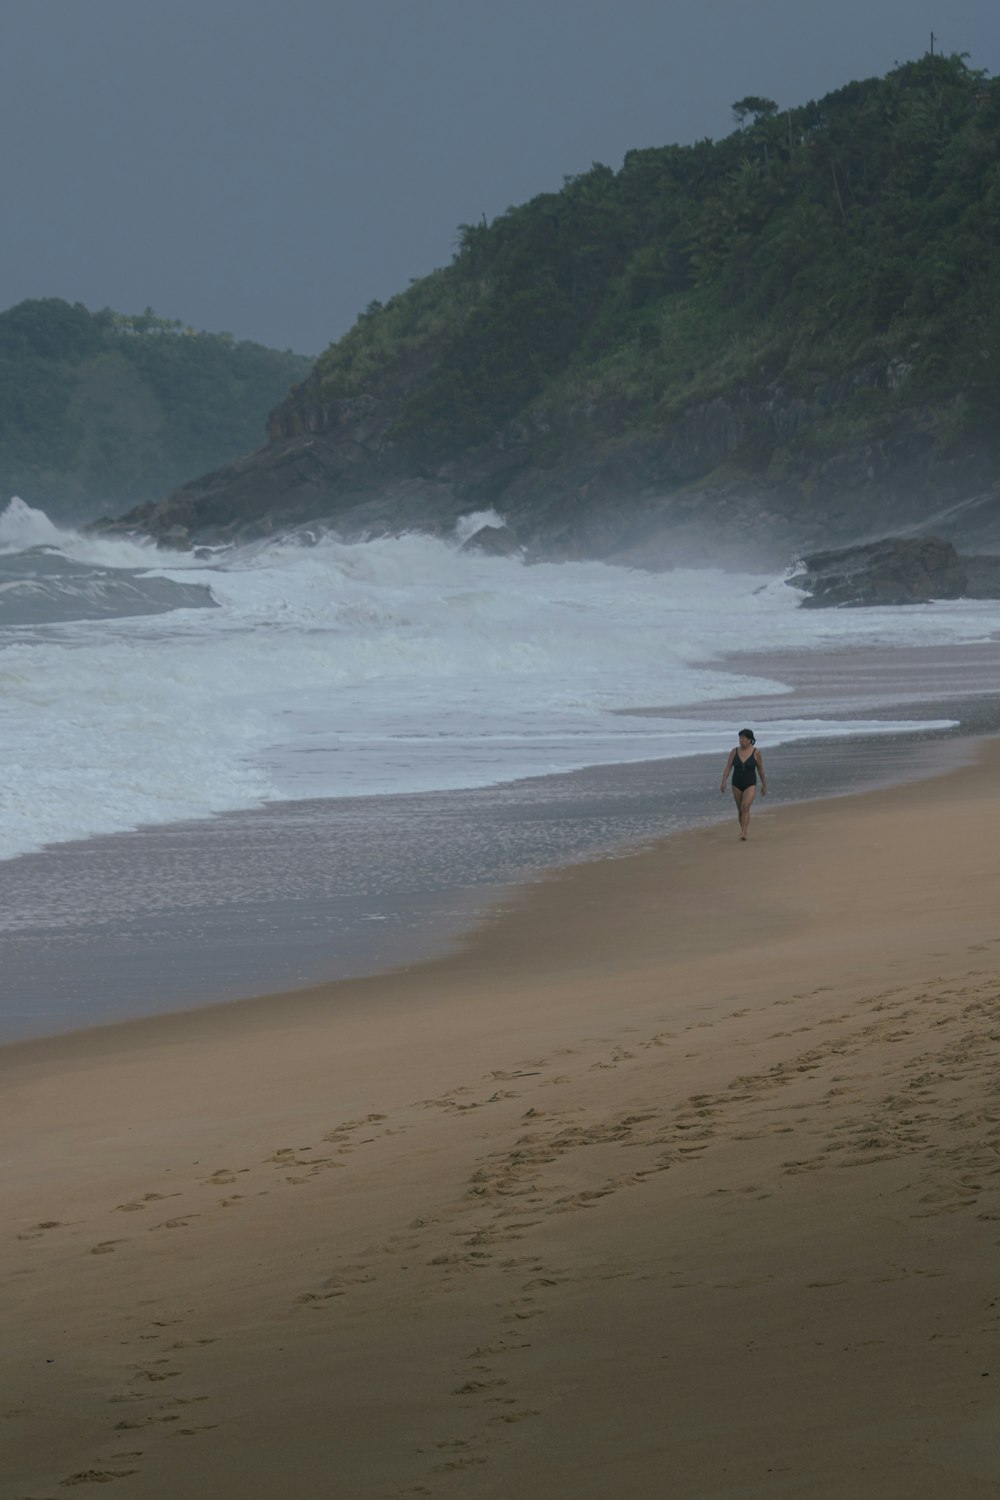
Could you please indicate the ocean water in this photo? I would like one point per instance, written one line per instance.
(142, 688)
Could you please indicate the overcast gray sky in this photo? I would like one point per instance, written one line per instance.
(268, 167)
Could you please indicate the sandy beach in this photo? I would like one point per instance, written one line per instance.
(679, 1179)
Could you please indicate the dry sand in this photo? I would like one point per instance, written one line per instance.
(681, 1180)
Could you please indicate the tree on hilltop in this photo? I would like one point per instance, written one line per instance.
(753, 104)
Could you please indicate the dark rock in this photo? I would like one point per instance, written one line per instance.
(982, 577)
(728, 482)
(483, 477)
(895, 570)
(495, 541)
(362, 416)
(703, 439)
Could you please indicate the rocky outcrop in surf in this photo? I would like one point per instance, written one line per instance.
(894, 570)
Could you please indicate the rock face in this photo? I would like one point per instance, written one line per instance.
(982, 577)
(896, 570)
(700, 491)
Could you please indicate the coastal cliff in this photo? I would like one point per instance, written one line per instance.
(730, 352)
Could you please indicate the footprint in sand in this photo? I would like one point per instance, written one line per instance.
(475, 1260)
(946, 1200)
(352, 1275)
(144, 1201)
(585, 1199)
(336, 1285)
(97, 1476)
(491, 1236)
(340, 1135)
(483, 1350)
(128, 1424)
(37, 1230)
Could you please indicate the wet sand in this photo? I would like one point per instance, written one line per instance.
(679, 1178)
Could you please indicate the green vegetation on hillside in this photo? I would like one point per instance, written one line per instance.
(862, 231)
(99, 410)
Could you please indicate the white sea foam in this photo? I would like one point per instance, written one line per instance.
(393, 665)
(22, 527)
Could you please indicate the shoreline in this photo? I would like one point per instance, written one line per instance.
(176, 917)
(681, 1174)
(948, 754)
(414, 928)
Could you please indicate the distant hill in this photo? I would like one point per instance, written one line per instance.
(789, 335)
(101, 410)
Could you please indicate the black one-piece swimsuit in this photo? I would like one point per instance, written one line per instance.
(744, 772)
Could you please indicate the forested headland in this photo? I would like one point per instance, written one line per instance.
(806, 312)
(101, 410)
(863, 229)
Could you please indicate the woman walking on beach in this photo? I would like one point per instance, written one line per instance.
(744, 762)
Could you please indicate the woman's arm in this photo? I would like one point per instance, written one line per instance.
(729, 767)
(763, 774)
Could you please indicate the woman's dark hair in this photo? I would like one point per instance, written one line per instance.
(749, 735)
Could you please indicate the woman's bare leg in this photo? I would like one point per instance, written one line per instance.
(749, 793)
(738, 799)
